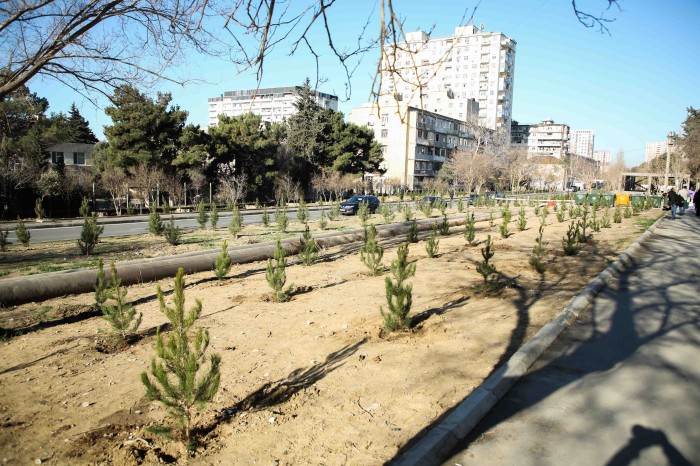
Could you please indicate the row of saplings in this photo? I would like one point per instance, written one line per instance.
(175, 378)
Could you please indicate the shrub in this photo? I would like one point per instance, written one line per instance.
(371, 252)
(444, 227)
(570, 242)
(121, 316)
(177, 382)
(538, 253)
(155, 223)
(214, 218)
(583, 224)
(303, 212)
(407, 213)
(223, 263)
(281, 218)
(202, 216)
(460, 205)
(276, 274)
(636, 209)
(22, 233)
(84, 209)
(398, 293)
(323, 221)
(544, 213)
(504, 227)
(265, 217)
(166, 205)
(235, 225)
(491, 218)
(387, 213)
(171, 232)
(605, 221)
(426, 208)
(308, 254)
(432, 245)
(3, 239)
(470, 229)
(90, 234)
(628, 211)
(363, 212)
(522, 219)
(486, 269)
(617, 215)
(334, 211)
(560, 215)
(413, 232)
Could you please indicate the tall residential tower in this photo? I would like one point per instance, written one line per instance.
(440, 75)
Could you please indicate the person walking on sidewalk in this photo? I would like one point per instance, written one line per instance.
(696, 201)
(672, 202)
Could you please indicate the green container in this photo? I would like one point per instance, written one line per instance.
(580, 198)
(593, 198)
(656, 201)
(608, 200)
(638, 200)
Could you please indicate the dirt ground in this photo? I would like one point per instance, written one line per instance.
(314, 380)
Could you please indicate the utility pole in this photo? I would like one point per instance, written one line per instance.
(671, 136)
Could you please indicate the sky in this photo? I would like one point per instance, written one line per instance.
(631, 86)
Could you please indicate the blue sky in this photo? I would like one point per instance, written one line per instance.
(631, 87)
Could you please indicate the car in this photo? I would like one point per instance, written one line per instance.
(433, 200)
(352, 205)
(473, 198)
(572, 189)
(495, 195)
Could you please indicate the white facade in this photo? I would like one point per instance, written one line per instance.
(440, 75)
(655, 149)
(602, 157)
(71, 154)
(415, 143)
(544, 139)
(274, 104)
(582, 142)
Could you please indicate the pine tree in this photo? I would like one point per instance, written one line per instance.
(90, 234)
(408, 214)
(265, 217)
(363, 213)
(276, 274)
(235, 225)
(202, 216)
(486, 269)
(214, 218)
(371, 252)
(22, 233)
(387, 213)
(155, 223)
(322, 221)
(175, 381)
(281, 219)
(303, 212)
(570, 242)
(171, 232)
(413, 232)
(460, 205)
(78, 128)
(399, 295)
(432, 245)
(538, 253)
(222, 264)
(444, 226)
(470, 229)
(308, 253)
(120, 315)
(3, 239)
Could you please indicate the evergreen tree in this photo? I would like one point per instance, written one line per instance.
(444, 226)
(120, 315)
(371, 252)
(398, 293)
(235, 225)
(413, 232)
(470, 229)
(538, 253)
(171, 232)
(486, 269)
(303, 212)
(155, 223)
(202, 215)
(79, 128)
(90, 234)
(276, 274)
(309, 249)
(175, 381)
(265, 217)
(432, 245)
(3, 239)
(222, 264)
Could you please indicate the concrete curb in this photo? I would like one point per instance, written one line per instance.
(439, 442)
(14, 291)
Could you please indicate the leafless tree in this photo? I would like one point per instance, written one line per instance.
(286, 189)
(584, 169)
(612, 176)
(114, 180)
(146, 181)
(320, 184)
(394, 184)
(234, 188)
(97, 45)
(471, 169)
(516, 166)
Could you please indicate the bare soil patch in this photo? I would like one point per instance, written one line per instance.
(312, 381)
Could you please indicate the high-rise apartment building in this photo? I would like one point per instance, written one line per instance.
(440, 75)
(545, 138)
(582, 142)
(274, 104)
(655, 149)
(602, 157)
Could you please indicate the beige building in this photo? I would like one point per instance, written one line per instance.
(602, 157)
(415, 143)
(654, 150)
(72, 155)
(440, 75)
(546, 138)
(582, 142)
(274, 104)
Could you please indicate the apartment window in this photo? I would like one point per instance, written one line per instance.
(57, 157)
(78, 158)
(385, 133)
(385, 118)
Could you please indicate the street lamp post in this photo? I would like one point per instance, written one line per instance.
(671, 136)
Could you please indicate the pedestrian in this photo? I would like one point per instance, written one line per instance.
(683, 194)
(672, 202)
(696, 200)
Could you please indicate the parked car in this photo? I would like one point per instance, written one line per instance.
(495, 194)
(352, 205)
(473, 197)
(432, 200)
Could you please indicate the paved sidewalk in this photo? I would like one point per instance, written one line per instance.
(621, 386)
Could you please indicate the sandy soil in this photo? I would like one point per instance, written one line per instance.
(311, 381)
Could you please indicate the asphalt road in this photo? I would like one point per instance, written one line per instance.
(620, 386)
